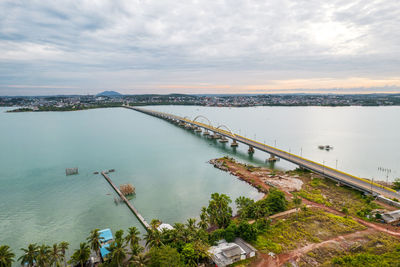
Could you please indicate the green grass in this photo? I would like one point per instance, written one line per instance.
(371, 249)
(311, 226)
(326, 192)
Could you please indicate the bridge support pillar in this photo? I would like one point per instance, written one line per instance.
(272, 158)
(206, 133)
(216, 136)
(251, 150)
(234, 143)
(223, 140)
(197, 130)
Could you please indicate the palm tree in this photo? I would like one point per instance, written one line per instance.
(6, 256)
(203, 219)
(153, 238)
(81, 255)
(63, 248)
(118, 252)
(140, 260)
(136, 249)
(29, 256)
(94, 240)
(55, 255)
(155, 223)
(132, 236)
(42, 258)
(191, 224)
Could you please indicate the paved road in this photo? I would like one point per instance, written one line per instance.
(339, 176)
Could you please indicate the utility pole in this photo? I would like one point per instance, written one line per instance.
(336, 163)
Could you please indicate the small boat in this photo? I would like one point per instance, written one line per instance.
(321, 147)
(112, 170)
(96, 173)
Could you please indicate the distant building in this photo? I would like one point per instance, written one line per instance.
(228, 253)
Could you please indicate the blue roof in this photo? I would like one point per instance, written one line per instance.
(106, 234)
(104, 251)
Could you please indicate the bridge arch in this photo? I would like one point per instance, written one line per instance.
(222, 126)
(203, 117)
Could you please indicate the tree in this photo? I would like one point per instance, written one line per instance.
(203, 224)
(43, 258)
(94, 240)
(189, 255)
(276, 201)
(230, 232)
(219, 211)
(118, 252)
(132, 238)
(6, 256)
(63, 248)
(55, 255)
(29, 256)
(245, 207)
(247, 231)
(153, 238)
(164, 256)
(81, 255)
(396, 184)
(140, 260)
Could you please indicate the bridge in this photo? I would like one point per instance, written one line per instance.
(223, 133)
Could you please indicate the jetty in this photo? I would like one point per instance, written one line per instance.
(130, 206)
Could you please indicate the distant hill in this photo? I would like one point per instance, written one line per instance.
(109, 93)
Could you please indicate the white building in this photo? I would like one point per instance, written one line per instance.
(227, 253)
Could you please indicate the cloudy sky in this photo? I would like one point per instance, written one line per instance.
(205, 46)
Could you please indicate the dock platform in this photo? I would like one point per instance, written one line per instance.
(130, 206)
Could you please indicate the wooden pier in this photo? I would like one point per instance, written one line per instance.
(130, 206)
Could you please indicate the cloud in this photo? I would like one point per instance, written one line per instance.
(93, 44)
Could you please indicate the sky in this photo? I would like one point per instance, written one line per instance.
(52, 47)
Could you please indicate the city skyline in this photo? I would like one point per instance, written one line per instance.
(51, 48)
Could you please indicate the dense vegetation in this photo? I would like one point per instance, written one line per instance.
(184, 245)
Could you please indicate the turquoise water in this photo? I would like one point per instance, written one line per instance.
(167, 165)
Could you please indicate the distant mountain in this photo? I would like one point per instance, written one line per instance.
(109, 93)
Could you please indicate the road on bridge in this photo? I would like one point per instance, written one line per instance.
(339, 176)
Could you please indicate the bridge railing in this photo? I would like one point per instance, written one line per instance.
(236, 136)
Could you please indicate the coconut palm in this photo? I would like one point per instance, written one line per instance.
(136, 249)
(55, 255)
(94, 240)
(203, 218)
(81, 255)
(29, 256)
(43, 258)
(155, 223)
(132, 237)
(63, 248)
(6, 256)
(140, 260)
(191, 224)
(153, 238)
(118, 252)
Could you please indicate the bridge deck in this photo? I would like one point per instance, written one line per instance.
(129, 204)
(337, 175)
